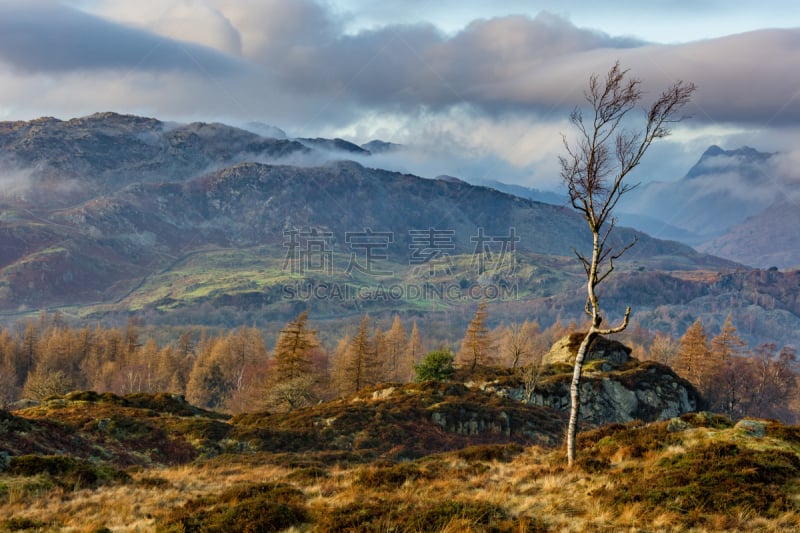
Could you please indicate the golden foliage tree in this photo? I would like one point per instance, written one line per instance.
(415, 349)
(477, 346)
(358, 363)
(291, 385)
(693, 360)
(728, 375)
(398, 366)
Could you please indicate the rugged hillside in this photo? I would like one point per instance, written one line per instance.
(202, 223)
(99, 250)
(768, 238)
(396, 421)
(53, 162)
(385, 460)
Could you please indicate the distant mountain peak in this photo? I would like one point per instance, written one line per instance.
(712, 151)
(450, 179)
(710, 163)
(333, 145)
(265, 130)
(377, 146)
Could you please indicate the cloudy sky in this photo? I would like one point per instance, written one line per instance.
(479, 89)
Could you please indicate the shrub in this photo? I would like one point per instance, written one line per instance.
(491, 452)
(308, 474)
(435, 366)
(720, 477)
(439, 514)
(254, 507)
(391, 476)
(353, 517)
(22, 524)
(66, 472)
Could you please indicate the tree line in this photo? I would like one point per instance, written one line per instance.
(236, 371)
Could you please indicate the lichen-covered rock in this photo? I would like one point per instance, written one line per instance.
(565, 349)
(754, 428)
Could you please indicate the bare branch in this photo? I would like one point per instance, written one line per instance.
(616, 256)
(583, 260)
(621, 327)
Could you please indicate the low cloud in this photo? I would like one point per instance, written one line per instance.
(46, 37)
(297, 54)
(490, 99)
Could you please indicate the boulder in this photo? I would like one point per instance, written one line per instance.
(565, 349)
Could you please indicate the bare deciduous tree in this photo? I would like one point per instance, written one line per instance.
(594, 171)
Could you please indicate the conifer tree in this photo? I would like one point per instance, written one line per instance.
(293, 348)
(291, 386)
(359, 369)
(476, 348)
(727, 344)
(415, 349)
(693, 358)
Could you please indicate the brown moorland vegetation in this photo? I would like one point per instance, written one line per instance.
(88, 462)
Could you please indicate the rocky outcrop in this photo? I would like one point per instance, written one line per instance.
(647, 391)
(473, 423)
(615, 387)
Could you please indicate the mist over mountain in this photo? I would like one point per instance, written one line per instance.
(118, 213)
(68, 161)
(737, 204)
(720, 190)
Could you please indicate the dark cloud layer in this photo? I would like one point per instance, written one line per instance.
(298, 53)
(497, 91)
(518, 63)
(417, 65)
(45, 37)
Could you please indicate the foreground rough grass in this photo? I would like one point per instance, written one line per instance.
(699, 479)
(696, 473)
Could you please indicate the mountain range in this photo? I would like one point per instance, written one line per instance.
(117, 214)
(736, 204)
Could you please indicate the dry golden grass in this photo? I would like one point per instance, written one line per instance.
(532, 500)
(476, 490)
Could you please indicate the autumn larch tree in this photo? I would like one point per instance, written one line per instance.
(726, 375)
(293, 348)
(414, 348)
(359, 361)
(477, 344)
(693, 360)
(594, 170)
(397, 367)
(293, 381)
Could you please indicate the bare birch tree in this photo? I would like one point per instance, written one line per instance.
(594, 170)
